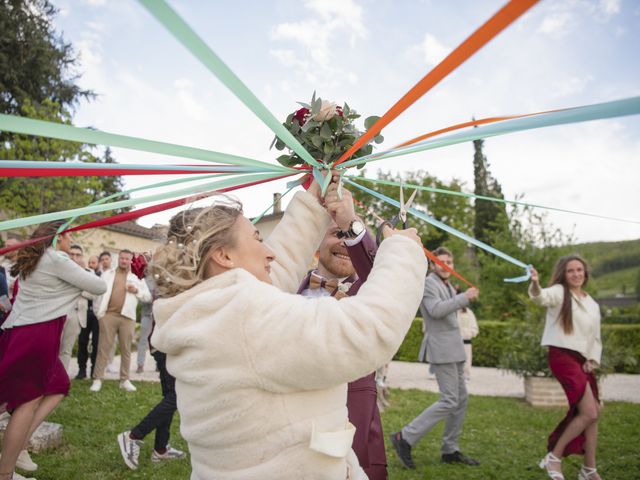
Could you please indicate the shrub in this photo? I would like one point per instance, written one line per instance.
(497, 345)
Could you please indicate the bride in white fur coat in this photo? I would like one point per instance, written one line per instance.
(261, 372)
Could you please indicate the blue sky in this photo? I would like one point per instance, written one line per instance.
(369, 53)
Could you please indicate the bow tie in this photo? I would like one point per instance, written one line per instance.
(333, 285)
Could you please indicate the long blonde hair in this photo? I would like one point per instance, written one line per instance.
(193, 235)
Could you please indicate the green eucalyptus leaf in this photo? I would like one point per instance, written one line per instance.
(280, 144)
(275, 139)
(378, 139)
(370, 121)
(316, 140)
(329, 148)
(325, 131)
(285, 160)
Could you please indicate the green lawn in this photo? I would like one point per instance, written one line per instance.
(506, 435)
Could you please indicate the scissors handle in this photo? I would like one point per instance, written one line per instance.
(380, 229)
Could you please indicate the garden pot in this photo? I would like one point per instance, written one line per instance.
(544, 392)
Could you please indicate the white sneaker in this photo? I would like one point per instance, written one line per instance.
(170, 454)
(24, 462)
(130, 450)
(128, 386)
(17, 476)
(96, 386)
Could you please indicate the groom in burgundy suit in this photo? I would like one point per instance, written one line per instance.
(346, 258)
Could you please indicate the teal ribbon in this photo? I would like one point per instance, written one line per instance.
(291, 186)
(617, 108)
(192, 42)
(452, 231)
(9, 164)
(193, 190)
(482, 197)
(29, 126)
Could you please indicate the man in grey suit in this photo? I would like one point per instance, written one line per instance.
(442, 345)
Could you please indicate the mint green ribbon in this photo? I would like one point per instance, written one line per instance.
(482, 197)
(192, 42)
(452, 231)
(617, 108)
(291, 186)
(169, 169)
(29, 126)
(191, 191)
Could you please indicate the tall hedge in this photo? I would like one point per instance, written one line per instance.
(621, 345)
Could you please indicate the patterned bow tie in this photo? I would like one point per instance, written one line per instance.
(333, 286)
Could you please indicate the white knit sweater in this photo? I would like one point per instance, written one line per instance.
(261, 374)
(585, 313)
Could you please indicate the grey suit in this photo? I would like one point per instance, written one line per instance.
(442, 345)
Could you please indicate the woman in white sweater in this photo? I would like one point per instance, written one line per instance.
(572, 333)
(261, 372)
(32, 378)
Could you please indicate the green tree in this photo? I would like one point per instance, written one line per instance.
(489, 216)
(455, 211)
(37, 80)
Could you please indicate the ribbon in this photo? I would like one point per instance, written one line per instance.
(192, 42)
(483, 197)
(616, 108)
(451, 230)
(29, 168)
(291, 186)
(48, 217)
(133, 215)
(29, 126)
(478, 39)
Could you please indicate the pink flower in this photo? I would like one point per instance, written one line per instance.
(327, 111)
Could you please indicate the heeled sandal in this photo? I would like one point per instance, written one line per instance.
(586, 473)
(553, 474)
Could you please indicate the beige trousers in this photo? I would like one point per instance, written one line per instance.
(110, 325)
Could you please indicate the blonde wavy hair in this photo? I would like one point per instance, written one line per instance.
(193, 235)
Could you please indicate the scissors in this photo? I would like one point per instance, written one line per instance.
(402, 215)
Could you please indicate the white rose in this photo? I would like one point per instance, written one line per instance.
(327, 111)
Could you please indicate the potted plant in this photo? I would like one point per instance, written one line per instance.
(527, 359)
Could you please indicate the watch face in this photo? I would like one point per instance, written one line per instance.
(357, 227)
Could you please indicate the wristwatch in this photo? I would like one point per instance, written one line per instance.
(356, 227)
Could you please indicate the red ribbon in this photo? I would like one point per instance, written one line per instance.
(123, 217)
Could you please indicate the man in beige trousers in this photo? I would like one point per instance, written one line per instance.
(117, 315)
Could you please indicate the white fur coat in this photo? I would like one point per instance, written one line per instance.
(261, 372)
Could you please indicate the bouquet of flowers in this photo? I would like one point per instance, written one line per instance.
(325, 130)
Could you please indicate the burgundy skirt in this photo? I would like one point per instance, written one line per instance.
(566, 366)
(29, 363)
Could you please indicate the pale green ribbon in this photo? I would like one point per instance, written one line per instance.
(191, 191)
(617, 108)
(482, 197)
(192, 42)
(443, 226)
(259, 217)
(29, 126)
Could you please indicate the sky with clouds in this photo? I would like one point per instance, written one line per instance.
(561, 53)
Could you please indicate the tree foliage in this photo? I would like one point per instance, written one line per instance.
(38, 80)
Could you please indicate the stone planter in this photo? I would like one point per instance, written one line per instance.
(48, 436)
(544, 392)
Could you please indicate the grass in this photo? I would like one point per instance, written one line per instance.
(506, 435)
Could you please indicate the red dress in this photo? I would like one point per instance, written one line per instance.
(566, 366)
(29, 363)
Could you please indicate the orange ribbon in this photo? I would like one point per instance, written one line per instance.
(502, 19)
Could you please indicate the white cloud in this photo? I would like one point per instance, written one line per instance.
(556, 24)
(570, 86)
(312, 50)
(609, 7)
(434, 51)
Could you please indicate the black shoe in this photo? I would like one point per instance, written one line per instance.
(403, 449)
(459, 457)
(82, 374)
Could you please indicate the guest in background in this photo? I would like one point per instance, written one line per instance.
(91, 332)
(469, 330)
(117, 314)
(32, 378)
(572, 333)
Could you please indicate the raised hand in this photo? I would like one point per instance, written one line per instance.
(341, 209)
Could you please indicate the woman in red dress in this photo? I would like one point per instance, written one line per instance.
(32, 378)
(572, 333)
